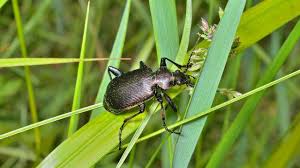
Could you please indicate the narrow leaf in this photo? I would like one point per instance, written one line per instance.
(263, 12)
(165, 29)
(208, 82)
(77, 93)
(14, 62)
(31, 94)
(184, 44)
(50, 120)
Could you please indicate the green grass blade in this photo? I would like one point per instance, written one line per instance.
(165, 28)
(31, 95)
(208, 82)
(184, 43)
(243, 116)
(181, 58)
(132, 159)
(115, 53)
(264, 12)
(50, 120)
(77, 93)
(15, 62)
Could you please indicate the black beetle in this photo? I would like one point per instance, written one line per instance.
(134, 88)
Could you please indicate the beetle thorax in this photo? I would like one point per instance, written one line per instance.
(164, 79)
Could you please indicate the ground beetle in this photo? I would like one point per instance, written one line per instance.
(134, 88)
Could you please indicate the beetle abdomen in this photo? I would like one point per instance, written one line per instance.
(128, 91)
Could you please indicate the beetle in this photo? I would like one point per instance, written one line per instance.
(132, 89)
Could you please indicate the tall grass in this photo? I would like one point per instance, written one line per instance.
(31, 94)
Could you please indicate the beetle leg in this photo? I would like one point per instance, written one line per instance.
(114, 71)
(163, 63)
(142, 109)
(187, 66)
(163, 118)
(159, 98)
(169, 101)
(143, 65)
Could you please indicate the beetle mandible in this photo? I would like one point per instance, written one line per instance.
(134, 88)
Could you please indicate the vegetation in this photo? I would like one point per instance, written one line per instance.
(233, 117)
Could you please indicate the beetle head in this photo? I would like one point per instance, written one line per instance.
(181, 78)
